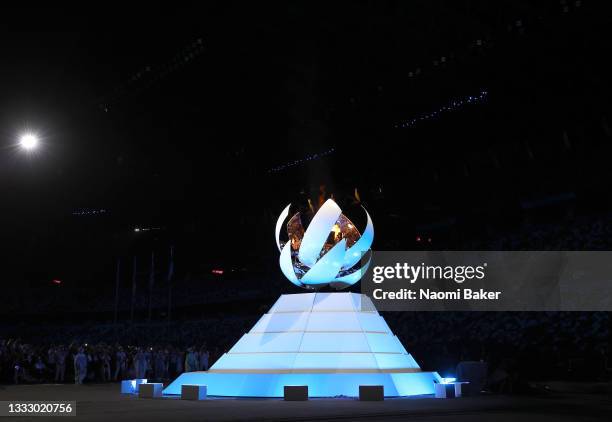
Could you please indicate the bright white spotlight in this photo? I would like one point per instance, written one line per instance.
(28, 141)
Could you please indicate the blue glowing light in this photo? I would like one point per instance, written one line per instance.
(301, 161)
(453, 105)
(332, 342)
(319, 385)
(131, 386)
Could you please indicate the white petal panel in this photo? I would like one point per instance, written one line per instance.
(327, 268)
(317, 232)
(354, 277)
(279, 225)
(287, 266)
(355, 252)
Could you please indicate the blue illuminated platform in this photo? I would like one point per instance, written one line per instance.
(332, 342)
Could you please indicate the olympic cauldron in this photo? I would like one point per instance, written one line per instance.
(333, 342)
(330, 251)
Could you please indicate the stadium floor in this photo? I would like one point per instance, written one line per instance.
(102, 402)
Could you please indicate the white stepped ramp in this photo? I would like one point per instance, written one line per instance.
(332, 342)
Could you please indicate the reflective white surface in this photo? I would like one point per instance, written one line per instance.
(325, 269)
(332, 342)
(319, 331)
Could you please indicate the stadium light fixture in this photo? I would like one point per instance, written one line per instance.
(28, 141)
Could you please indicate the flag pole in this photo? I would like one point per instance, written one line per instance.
(169, 279)
(117, 277)
(134, 263)
(151, 282)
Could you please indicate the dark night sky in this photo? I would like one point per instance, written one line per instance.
(170, 116)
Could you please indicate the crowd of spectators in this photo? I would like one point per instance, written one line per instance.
(528, 345)
(578, 234)
(531, 345)
(22, 362)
